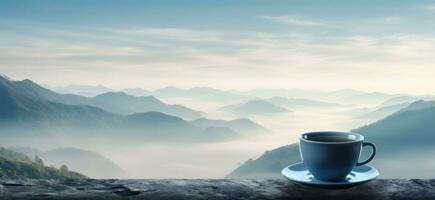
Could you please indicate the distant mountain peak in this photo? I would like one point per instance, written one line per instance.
(3, 76)
(85, 86)
(127, 96)
(256, 106)
(419, 105)
(241, 125)
(155, 116)
(28, 81)
(242, 120)
(202, 88)
(135, 89)
(299, 102)
(169, 88)
(421, 101)
(118, 94)
(152, 113)
(259, 102)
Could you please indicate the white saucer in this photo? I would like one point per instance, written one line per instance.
(299, 173)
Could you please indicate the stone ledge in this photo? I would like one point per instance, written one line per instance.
(191, 189)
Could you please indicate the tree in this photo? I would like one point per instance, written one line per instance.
(39, 161)
(63, 169)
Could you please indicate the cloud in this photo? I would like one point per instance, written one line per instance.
(293, 20)
(153, 57)
(171, 33)
(389, 20)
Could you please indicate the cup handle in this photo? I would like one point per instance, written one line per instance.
(371, 156)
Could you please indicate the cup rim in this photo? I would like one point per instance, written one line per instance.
(359, 137)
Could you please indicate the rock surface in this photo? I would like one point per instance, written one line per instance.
(192, 189)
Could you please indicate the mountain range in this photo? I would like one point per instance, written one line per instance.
(254, 107)
(122, 103)
(196, 93)
(403, 139)
(118, 102)
(299, 102)
(241, 125)
(381, 112)
(344, 96)
(28, 110)
(367, 98)
(137, 92)
(406, 99)
(386, 108)
(81, 90)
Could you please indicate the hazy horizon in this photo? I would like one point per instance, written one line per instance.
(202, 160)
(207, 160)
(236, 90)
(286, 44)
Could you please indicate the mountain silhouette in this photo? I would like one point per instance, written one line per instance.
(26, 112)
(408, 128)
(384, 111)
(137, 92)
(364, 98)
(269, 165)
(23, 107)
(241, 125)
(406, 99)
(199, 93)
(419, 105)
(119, 103)
(81, 90)
(122, 103)
(403, 139)
(258, 107)
(297, 102)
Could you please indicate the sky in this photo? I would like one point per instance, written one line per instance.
(386, 46)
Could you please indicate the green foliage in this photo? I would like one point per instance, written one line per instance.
(16, 165)
(14, 156)
(39, 161)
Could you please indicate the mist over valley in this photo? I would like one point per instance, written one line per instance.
(197, 133)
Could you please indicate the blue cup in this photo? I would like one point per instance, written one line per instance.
(330, 155)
